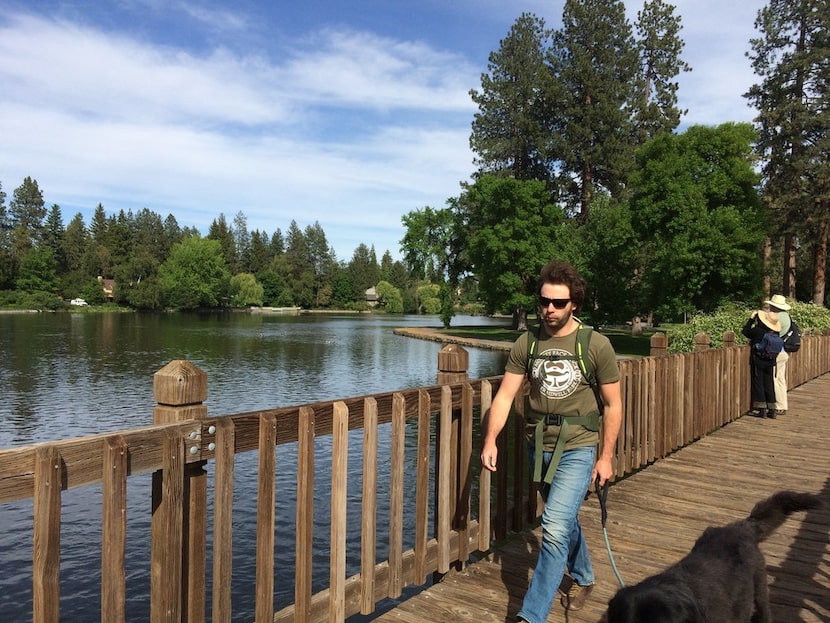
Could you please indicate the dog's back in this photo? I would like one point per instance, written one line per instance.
(723, 578)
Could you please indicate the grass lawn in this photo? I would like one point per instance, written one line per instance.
(624, 343)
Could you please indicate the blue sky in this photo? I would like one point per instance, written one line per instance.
(350, 113)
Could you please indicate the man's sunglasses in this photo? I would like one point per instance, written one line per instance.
(557, 303)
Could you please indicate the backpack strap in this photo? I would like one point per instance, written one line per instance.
(590, 421)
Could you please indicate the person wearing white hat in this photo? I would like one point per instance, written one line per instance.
(778, 305)
(762, 367)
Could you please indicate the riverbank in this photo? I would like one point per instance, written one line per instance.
(434, 334)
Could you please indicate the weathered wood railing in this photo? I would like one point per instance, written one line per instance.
(669, 401)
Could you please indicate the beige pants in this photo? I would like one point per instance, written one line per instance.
(781, 381)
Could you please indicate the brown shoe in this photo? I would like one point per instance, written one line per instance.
(576, 596)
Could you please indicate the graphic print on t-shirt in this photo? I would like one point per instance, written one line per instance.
(558, 373)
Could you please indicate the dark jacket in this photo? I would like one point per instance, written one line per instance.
(754, 330)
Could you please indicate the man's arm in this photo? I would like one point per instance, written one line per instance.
(497, 417)
(611, 422)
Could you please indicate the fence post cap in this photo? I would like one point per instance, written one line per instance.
(180, 383)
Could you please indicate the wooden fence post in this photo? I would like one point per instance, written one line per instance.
(729, 339)
(659, 345)
(453, 363)
(702, 342)
(179, 521)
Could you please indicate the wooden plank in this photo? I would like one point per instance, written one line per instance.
(501, 478)
(114, 530)
(82, 457)
(47, 535)
(462, 510)
(266, 483)
(304, 515)
(396, 474)
(485, 480)
(422, 487)
(194, 572)
(339, 493)
(223, 522)
(442, 482)
(623, 449)
(167, 540)
(524, 504)
(369, 505)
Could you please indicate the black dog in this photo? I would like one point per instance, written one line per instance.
(722, 580)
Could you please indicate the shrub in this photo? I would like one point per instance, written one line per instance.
(732, 318)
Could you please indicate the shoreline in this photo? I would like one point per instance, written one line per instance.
(434, 334)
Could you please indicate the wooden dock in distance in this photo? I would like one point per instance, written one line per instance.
(655, 516)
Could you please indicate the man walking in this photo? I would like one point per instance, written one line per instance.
(562, 404)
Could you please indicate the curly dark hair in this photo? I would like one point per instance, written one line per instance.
(561, 272)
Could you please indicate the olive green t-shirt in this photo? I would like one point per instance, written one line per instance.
(557, 385)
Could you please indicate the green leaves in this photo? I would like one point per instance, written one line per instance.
(194, 275)
(696, 212)
(514, 230)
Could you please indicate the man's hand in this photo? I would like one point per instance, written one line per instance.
(489, 457)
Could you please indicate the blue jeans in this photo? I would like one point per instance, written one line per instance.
(563, 544)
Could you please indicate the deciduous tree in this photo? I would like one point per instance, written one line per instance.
(194, 275)
(389, 298)
(245, 290)
(698, 219)
(515, 228)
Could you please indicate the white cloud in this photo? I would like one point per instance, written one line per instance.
(363, 69)
(99, 118)
(349, 128)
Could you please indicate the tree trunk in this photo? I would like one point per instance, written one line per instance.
(519, 319)
(820, 262)
(585, 192)
(767, 260)
(789, 266)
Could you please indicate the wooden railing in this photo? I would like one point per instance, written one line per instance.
(669, 401)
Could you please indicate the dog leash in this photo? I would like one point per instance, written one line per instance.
(602, 496)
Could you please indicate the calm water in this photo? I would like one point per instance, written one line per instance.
(74, 374)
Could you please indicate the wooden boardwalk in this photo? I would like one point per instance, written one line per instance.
(655, 516)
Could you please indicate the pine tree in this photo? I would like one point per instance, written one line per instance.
(594, 57)
(54, 234)
(790, 56)
(511, 133)
(6, 260)
(659, 46)
(27, 212)
(223, 234)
